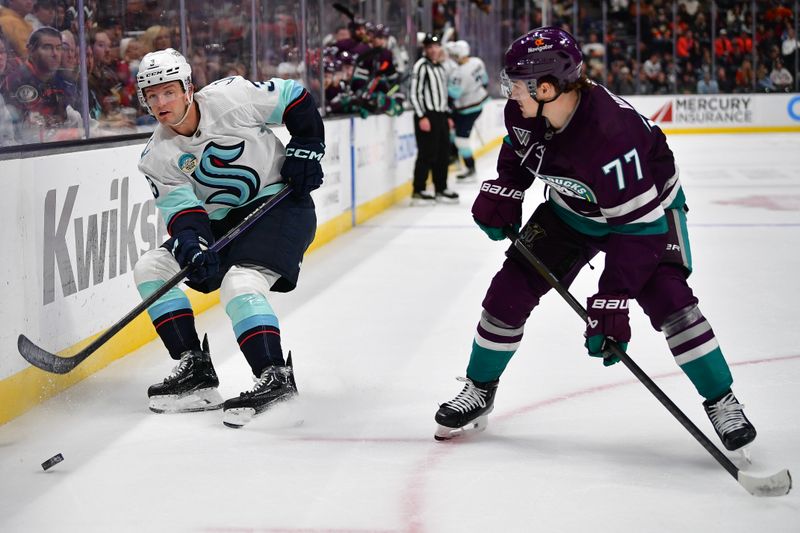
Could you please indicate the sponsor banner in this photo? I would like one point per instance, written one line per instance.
(721, 111)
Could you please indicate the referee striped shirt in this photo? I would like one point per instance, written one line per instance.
(428, 87)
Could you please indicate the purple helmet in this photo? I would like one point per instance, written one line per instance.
(546, 51)
(378, 30)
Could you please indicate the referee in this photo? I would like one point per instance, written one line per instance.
(431, 125)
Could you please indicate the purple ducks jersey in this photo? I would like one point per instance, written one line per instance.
(610, 176)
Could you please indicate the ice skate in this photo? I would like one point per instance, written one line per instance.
(275, 385)
(191, 386)
(422, 198)
(447, 196)
(730, 423)
(468, 412)
(468, 176)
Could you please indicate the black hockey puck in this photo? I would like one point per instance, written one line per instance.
(57, 458)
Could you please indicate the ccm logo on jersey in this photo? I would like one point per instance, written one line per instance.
(610, 304)
(302, 153)
(505, 192)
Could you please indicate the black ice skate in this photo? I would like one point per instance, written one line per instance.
(191, 386)
(467, 176)
(468, 412)
(422, 198)
(447, 196)
(275, 385)
(727, 416)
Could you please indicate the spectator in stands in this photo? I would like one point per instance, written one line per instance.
(744, 77)
(724, 80)
(764, 83)
(623, 81)
(103, 77)
(70, 65)
(15, 28)
(60, 20)
(43, 14)
(104, 81)
(156, 38)
(706, 85)
(40, 96)
(781, 77)
(742, 43)
(594, 52)
(789, 44)
(652, 66)
(723, 46)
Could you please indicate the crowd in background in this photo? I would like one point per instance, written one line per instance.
(354, 57)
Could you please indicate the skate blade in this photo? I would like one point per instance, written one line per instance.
(745, 454)
(422, 203)
(447, 201)
(476, 426)
(199, 400)
(238, 417)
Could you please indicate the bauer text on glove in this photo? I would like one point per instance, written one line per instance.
(497, 206)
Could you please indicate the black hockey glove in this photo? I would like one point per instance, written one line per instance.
(303, 165)
(190, 248)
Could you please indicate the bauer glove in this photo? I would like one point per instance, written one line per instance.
(303, 165)
(189, 248)
(496, 207)
(608, 319)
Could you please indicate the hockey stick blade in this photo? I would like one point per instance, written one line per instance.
(778, 484)
(43, 359)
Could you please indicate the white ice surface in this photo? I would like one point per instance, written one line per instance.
(382, 322)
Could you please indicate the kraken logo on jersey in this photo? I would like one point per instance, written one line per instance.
(236, 184)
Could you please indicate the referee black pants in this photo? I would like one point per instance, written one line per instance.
(432, 152)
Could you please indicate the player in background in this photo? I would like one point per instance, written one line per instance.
(210, 162)
(613, 187)
(466, 86)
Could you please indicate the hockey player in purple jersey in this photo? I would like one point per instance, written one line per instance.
(211, 161)
(613, 187)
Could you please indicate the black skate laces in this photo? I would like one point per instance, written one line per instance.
(726, 414)
(469, 398)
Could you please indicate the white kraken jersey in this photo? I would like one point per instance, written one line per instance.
(466, 85)
(233, 157)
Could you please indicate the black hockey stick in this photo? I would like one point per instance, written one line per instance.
(344, 10)
(61, 365)
(777, 484)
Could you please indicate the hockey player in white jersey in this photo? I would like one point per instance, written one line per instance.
(211, 161)
(466, 86)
